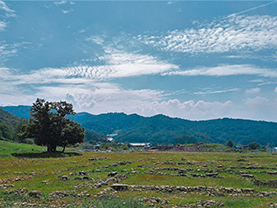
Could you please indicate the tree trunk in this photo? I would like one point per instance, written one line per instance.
(48, 148)
(54, 147)
(63, 148)
(51, 148)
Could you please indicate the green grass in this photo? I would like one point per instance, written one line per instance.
(45, 172)
(9, 148)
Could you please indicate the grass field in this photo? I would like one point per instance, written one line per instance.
(29, 178)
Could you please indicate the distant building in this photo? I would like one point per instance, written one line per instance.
(143, 145)
(272, 149)
(110, 137)
(91, 147)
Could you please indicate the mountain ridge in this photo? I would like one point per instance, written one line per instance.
(166, 130)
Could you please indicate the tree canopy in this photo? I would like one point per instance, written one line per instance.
(230, 143)
(49, 126)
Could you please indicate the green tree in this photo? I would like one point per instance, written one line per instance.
(50, 127)
(254, 145)
(6, 131)
(230, 143)
(185, 139)
(19, 128)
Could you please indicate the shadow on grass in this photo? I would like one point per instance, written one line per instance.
(46, 155)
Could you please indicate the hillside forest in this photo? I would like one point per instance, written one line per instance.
(157, 129)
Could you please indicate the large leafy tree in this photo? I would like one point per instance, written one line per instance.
(50, 127)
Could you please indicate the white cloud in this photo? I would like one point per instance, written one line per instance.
(226, 70)
(145, 102)
(8, 50)
(192, 110)
(216, 91)
(66, 11)
(253, 90)
(102, 97)
(3, 25)
(117, 65)
(233, 33)
(82, 31)
(9, 12)
(4, 7)
(259, 108)
(275, 89)
(60, 2)
(96, 39)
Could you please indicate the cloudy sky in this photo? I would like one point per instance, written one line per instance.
(190, 59)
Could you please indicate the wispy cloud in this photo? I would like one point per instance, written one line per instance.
(117, 65)
(10, 50)
(216, 91)
(96, 39)
(102, 97)
(254, 8)
(234, 33)
(226, 70)
(9, 12)
(60, 2)
(7, 50)
(190, 109)
(3, 6)
(3, 25)
(253, 90)
(66, 11)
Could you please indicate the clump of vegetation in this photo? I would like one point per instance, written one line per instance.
(230, 144)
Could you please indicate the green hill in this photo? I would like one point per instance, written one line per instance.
(165, 130)
(8, 123)
(8, 148)
(21, 111)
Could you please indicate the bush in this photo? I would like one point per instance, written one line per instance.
(254, 145)
(29, 141)
(230, 143)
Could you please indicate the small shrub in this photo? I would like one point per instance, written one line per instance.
(29, 141)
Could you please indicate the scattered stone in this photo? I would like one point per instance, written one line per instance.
(214, 174)
(272, 172)
(248, 190)
(112, 174)
(120, 187)
(64, 178)
(60, 194)
(4, 186)
(82, 173)
(35, 194)
(247, 175)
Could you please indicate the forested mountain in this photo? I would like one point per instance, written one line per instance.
(22, 111)
(8, 124)
(165, 130)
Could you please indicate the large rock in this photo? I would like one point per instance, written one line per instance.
(35, 193)
(120, 187)
(247, 175)
(112, 174)
(64, 178)
(272, 172)
(248, 190)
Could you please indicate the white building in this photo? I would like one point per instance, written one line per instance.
(145, 145)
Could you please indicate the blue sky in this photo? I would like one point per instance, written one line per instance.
(190, 59)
